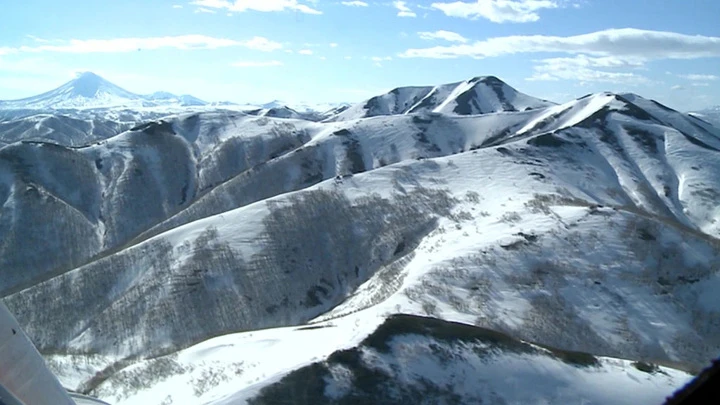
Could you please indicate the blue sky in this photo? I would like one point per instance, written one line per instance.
(329, 51)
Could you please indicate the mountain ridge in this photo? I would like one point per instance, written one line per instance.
(710, 114)
(478, 95)
(589, 226)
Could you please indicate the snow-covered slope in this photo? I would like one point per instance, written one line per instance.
(418, 360)
(590, 226)
(286, 112)
(183, 100)
(407, 359)
(711, 115)
(303, 107)
(479, 95)
(60, 129)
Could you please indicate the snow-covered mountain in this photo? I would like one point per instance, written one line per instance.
(303, 107)
(61, 129)
(479, 95)
(90, 91)
(282, 112)
(711, 115)
(183, 100)
(576, 245)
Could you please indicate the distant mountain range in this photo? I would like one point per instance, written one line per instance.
(458, 243)
(89, 91)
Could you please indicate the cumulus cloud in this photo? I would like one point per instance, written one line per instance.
(595, 56)
(403, 9)
(249, 64)
(626, 43)
(354, 3)
(497, 11)
(204, 10)
(119, 45)
(305, 52)
(443, 35)
(257, 5)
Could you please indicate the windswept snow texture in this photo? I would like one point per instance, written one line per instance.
(590, 227)
(479, 95)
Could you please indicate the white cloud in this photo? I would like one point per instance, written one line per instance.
(261, 44)
(378, 60)
(444, 35)
(177, 6)
(118, 45)
(677, 87)
(333, 45)
(305, 52)
(249, 64)
(498, 11)
(403, 9)
(627, 43)
(354, 3)
(204, 10)
(587, 69)
(257, 5)
(700, 84)
(323, 58)
(348, 57)
(700, 78)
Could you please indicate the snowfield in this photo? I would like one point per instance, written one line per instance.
(449, 244)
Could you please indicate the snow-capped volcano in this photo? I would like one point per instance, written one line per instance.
(478, 95)
(87, 90)
(90, 91)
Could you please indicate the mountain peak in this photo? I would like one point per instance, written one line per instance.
(88, 85)
(87, 76)
(486, 80)
(478, 95)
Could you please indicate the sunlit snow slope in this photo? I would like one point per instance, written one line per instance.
(224, 257)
